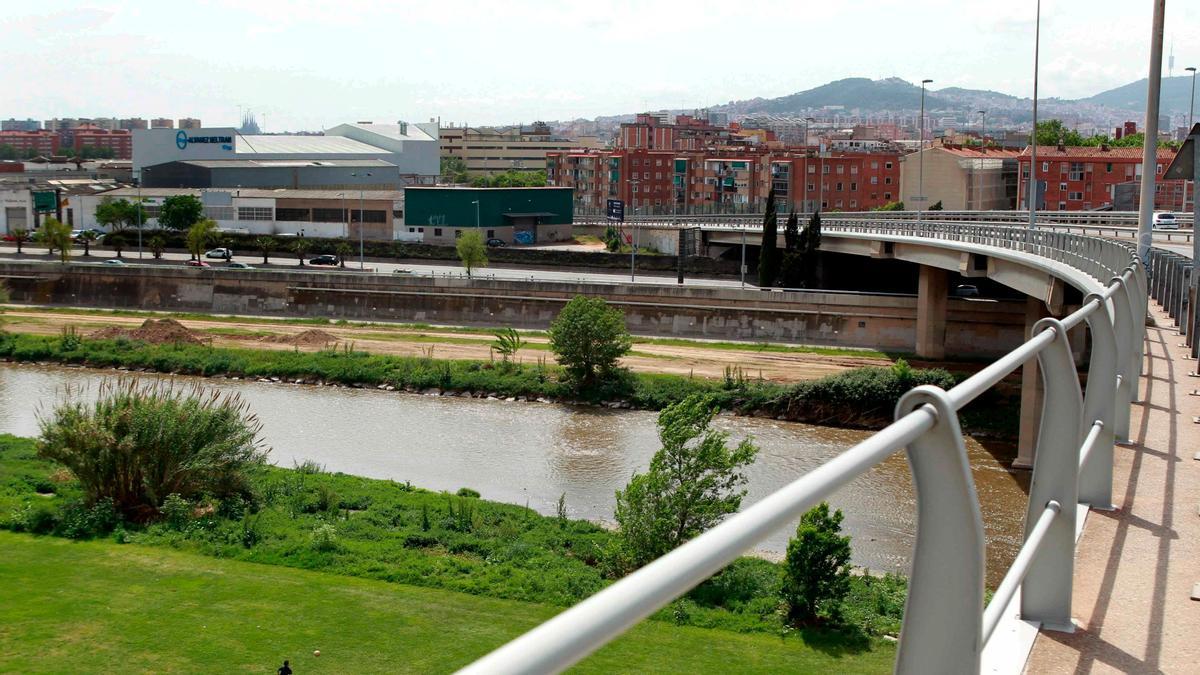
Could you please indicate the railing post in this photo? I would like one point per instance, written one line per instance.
(1139, 304)
(1099, 403)
(1125, 333)
(945, 588)
(1046, 592)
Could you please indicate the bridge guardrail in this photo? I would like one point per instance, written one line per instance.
(946, 625)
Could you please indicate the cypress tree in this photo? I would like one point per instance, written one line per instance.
(768, 258)
(792, 268)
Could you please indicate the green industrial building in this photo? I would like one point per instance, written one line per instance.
(525, 215)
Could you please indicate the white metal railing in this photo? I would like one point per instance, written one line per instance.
(946, 625)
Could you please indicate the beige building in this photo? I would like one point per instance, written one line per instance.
(489, 150)
(961, 178)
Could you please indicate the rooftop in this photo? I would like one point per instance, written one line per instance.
(304, 145)
(1086, 151)
(286, 163)
(386, 195)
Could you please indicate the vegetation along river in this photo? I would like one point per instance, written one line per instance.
(530, 453)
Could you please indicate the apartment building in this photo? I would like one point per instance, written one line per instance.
(31, 143)
(487, 150)
(1083, 178)
(119, 141)
(659, 131)
(962, 178)
(162, 123)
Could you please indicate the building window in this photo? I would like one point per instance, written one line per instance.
(825, 169)
(437, 231)
(812, 168)
(888, 165)
(1045, 167)
(1108, 167)
(887, 196)
(874, 180)
(1062, 187)
(412, 230)
(328, 216)
(1075, 196)
(841, 168)
(254, 213)
(1062, 206)
(874, 165)
(853, 203)
(854, 187)
(811, 187)
(887, 180)
(457, 234)
(854, 169)
(838, 204)
(491, 234)
(839, 187)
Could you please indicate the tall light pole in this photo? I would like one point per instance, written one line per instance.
(1031, 190)
(476, 203)
(361, 222)
(1150, 143)
(633, 250)
(141, 173)
(921, 155)
(1191, 121)
(983, 129)
(807, 121)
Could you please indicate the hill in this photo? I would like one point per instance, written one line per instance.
(1176, 91)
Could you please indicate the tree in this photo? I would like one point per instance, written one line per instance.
(890, 206)
(115, 240)
(1054, 132)
(88, 237)
(792, 265)
(301, 248)
(265, 245)
(471, 250)
(56, 235)
(180, 212)
(342, 250)
(809, 252)
(20, 235)
(587, 337)
(508, 342)
(118, 214)
(139, 443)
(157, 245)
(937, 206)
(693, 482)
(768, 256)
(454, 170)
(200, 236)
(817, 568)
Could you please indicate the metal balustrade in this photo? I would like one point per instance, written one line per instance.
(945, 623)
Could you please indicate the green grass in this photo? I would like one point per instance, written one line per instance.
(767, 347)
(103, 607)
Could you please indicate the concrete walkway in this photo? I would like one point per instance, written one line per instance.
(1135, 567)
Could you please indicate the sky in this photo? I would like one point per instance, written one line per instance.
(310, 65)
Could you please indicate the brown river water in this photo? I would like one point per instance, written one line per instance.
(530, 453)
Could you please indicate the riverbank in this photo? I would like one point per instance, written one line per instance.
(395, 532)
(857, 398)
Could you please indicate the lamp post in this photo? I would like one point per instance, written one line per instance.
(983, 129)
(361, 222)
(921, 155)
(476, 203)
(807, 121)
(141, 172)
(1031, 191)
(633, 252)
(1150, 144)
(1191, 121)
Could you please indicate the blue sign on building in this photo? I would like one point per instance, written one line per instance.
(182, 140)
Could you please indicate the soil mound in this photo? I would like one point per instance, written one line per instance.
(312, 337)
(154, 331)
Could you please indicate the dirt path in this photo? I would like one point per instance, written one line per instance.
(405, 341)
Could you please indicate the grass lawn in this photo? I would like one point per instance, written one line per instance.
(102, 607)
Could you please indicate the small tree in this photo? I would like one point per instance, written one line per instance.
(200, 235)
(471, 250)
(768, 256)
(301, 247)
(265, 245)
(342, 250)
(937, 206)
(693, 482)
(20, 235)
(817, 569)
(180, 212)
(88, 237)
(791, 267)
(56, 236)
(157, 246)
(115, 240)
(508, 342)
(587, 337)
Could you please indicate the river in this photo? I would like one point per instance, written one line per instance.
(530, 453)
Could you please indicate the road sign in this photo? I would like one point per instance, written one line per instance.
(44, 201)
(616, 210)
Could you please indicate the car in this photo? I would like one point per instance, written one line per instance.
(219, 254)
(331, 260)
(238, 266)
(966, 291)
(496, 243)
(196, 263)
(1166, 221)
(114, 261)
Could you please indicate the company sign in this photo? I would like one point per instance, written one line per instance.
(615, 210)
(182, 140)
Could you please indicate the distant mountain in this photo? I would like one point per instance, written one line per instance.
(853, 92)
(1173, 98)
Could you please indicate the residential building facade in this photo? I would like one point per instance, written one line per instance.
(487, 150)
(961, 178)
(1084, 178)
(31, 143)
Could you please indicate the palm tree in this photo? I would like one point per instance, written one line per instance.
(301, 247)
(342, 250)
(20, 235)
(87, 236)
(115, 240)
(265, 245)
(200, 235)
(157, 245)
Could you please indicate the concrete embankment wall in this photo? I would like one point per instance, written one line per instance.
(886, 322)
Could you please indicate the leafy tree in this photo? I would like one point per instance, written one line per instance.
(890, 206)
(1053, 132)
(454, 170)
(200, 236)
(115, 214)
(342, 250)
(471, 250)
(508, 342)
(511, 178)
(139, 443)
(587, 337)
(768, 257)
(693, 482)
(56, 236)
(817, 568)
(180, 212)
(157, 246)
(116, 240)
(301, 247)
(90, 152)
(20, 235)
(937, 206)
(265, 245)
(88, 237)
(8, 152)
(612, 239)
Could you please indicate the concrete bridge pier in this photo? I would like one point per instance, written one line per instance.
(933, 297)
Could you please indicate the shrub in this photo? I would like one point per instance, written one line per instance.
(139, 443)
(817, 569)
(471, 250)
(176, 511)
(693, 481)
(587, 337)
(467, 492)
(324, 537)
(80, 521)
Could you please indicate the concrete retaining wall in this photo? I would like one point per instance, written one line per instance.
(886, 322)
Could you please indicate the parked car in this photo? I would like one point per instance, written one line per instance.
(196, 263)
(326, 259)
(496, 243)
(966, 291)
(239, 266)
(1166, 221)
(114, 261)
(219, 254)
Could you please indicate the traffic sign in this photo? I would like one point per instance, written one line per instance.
(616, 210)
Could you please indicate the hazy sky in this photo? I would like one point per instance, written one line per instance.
(308, 65)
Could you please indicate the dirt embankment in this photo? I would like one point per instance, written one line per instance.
(154, 331)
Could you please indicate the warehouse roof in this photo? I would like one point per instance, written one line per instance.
(287, 163)
(393, 195)
(304, 145)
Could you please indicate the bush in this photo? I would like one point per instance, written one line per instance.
(324, 537)
(467, 492)
(587, 337)
(176, 511)
(817, 569)
(139, 443)
(80, 521)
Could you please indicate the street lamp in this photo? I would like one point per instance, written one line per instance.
(476, 203)
(1191, 121)
(807, 121)
(633, 252)
(1032, 189)
(983, 130)
(921, 155)
(361, 222)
